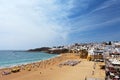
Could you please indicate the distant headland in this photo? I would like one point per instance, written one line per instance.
(55, 50)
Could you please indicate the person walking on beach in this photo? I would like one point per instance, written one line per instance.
(92, 72)
(94, 67)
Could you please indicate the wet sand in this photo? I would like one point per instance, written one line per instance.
(50, 70)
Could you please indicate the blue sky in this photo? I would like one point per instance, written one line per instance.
(28, 24)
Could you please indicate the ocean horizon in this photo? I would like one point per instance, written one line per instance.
(10, 58)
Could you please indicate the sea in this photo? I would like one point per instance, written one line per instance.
(14, 58)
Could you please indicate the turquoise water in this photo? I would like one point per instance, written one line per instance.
(13, 58)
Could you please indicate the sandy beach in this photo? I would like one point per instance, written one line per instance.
(51, 70)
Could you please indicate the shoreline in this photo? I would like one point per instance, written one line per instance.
(43, 70)
(28, 63)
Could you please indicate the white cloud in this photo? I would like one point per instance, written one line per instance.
(96, 18)
(32, 23)
(106, 4)
(92, 26)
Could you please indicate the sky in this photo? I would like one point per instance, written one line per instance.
(26, 24)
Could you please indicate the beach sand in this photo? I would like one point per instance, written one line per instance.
(50, 70)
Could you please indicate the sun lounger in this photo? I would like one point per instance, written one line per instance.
(6, 73)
